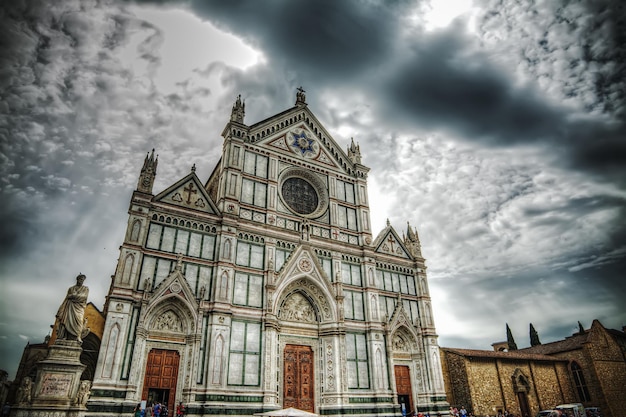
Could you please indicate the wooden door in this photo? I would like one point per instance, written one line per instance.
(298, 378)
(522, 398)
(403, 387)
(161, 373)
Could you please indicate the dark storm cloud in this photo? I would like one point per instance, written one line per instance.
(444, 83)
(325, 39)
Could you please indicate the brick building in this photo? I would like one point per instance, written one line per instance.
(488, 382)
(596, 364)
(588, 367)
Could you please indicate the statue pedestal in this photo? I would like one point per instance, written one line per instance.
(57, 391)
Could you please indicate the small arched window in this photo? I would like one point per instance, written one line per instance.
(579, 382)
(134, 234)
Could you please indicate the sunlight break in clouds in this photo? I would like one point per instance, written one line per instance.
(442, 12)
(183, 43)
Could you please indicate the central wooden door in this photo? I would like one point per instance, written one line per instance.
(298, 378)
(161, 375)
(403, 387)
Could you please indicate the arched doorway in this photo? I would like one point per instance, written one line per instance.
(299, 322)
(403, 346)
(521, 386)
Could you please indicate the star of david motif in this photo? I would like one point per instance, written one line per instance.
(302, 143)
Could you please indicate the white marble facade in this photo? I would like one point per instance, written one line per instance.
(272, 253)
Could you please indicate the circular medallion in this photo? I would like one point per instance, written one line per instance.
(305, 265)
(175, 287)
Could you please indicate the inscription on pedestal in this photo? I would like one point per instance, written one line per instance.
(55, 385)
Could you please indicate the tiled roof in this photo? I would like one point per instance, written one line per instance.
(511, 355)
(573, 342)
(616, 334)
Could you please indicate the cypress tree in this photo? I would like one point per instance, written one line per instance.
(580, 328)
(534, 336)
(509, 338)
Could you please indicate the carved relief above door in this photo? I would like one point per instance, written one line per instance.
(298, 385)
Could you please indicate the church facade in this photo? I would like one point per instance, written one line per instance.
(264, 288)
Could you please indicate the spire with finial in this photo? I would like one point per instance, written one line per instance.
(300, 97)
(239, 111)
(412, 241)
(411, 235)
(193, 168)
(148, 173)
(354, 153)
(388, 224)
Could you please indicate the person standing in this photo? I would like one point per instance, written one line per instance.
(157, 409)
(180, 409)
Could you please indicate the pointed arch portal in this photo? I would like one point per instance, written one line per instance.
(301, 308)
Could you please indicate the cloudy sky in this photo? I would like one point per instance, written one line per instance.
(496, 127)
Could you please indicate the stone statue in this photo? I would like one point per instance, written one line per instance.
(24, 391)
(83, 393)
(147, 285)
(71, 314)
(300, 97)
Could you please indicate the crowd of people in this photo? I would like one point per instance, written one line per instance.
(157, 409)
(462, 412)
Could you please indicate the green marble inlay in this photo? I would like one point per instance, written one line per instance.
(108, 394)
(355, 411)
(369, 400)
(229, 398)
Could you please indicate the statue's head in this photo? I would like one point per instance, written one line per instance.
(80, 278)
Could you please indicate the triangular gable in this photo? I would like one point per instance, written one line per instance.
(400, 324)
(175, 285)
(303, 261)
(389, 243)
(297, 132)
(399, 317)
(299, 141)
(188, 193)
(303, 272)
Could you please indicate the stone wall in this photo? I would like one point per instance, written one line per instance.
(485, 384)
